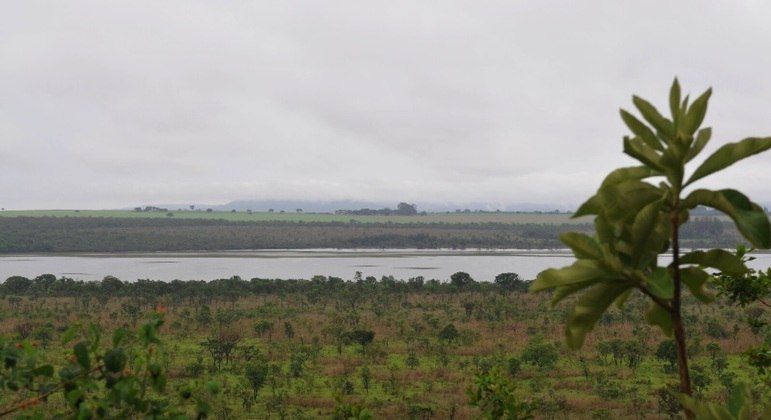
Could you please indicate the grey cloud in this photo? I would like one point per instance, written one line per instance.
(141, 102)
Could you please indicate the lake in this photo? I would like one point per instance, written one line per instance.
(482, 265)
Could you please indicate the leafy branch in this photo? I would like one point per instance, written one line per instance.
(637, 221)
(98, 383)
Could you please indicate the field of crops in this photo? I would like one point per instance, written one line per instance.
(460, 218)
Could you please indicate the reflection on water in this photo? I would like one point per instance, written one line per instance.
(482, 265)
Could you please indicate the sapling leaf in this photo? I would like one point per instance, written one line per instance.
(738, 401)
(656, 315)
(118, 335)
(45, 370)
(684, 105)
(696, 113)
(639, 150)
(71, 332)
(737, 408)
(565, 291)
(583, 246)
(750, 219)
(605, 233)
(672, 164)
(702, 138)
(652, 115)
(696, 280)
(114, 360)
(720, 259)
(643, 228)
(95, 336)
(590, 206)
(589, 308)
(623, 200)
(582, 271)
(660, 283)
(729, 154)
(641, 130)
(633, 173)
(629, 173)
(81, 355)
(674, 100)
(74, 397)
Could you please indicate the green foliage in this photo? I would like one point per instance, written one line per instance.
(263, 328)
(412, 360)
(256, 374)
(124, 380)
(667, 352)
(449, 333)
(514, 366)
(738, 407)
(744, 289)
(509, 282)
(221, 348)
(636, 221)
(304, 374)
(493, 393)
(462, 280)
(347, 411)
(754, 286)
(540, 353)
(361, 337)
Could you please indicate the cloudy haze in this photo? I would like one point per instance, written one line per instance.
(117, 104)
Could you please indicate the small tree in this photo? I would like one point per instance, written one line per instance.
(264, 328)
(366, 378)
(461, 280)
(362, 337)
(494, 394)
(288, 329)
(256, 374)
(637, 221)
(509, 282)
(540, 353)
(449, 333)
(406, 209)
(666, 351)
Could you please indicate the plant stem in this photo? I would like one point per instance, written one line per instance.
(675, 313)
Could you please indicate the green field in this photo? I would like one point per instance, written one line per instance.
(460, 218)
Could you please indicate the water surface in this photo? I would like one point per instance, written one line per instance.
(482, 265)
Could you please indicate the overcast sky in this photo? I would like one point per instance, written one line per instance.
(117, 104)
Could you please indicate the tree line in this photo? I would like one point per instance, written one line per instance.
(74, 234)
(48, 285)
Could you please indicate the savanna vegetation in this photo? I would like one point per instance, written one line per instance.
(359, 348)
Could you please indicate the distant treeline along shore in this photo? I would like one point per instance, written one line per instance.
(115, 232)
